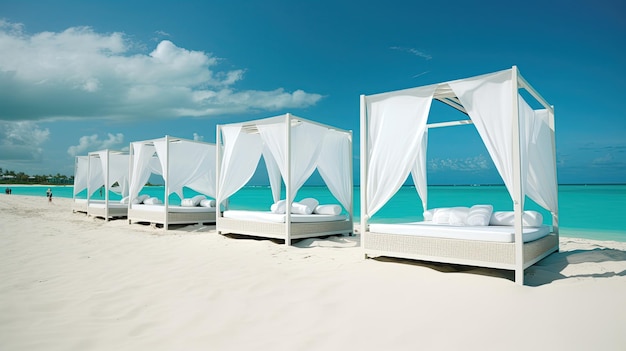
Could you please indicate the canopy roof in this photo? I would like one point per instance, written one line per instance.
(181, 163)
(519, 140)
(292, 148)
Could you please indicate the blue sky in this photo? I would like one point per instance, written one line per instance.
(80, 76)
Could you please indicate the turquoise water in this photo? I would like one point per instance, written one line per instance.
(586, 211)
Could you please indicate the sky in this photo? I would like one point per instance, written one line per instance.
(81, 76)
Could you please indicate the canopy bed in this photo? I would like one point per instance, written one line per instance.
(107, 170)
(520, 141)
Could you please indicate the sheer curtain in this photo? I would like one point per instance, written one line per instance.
(305, 149)
(96, 175)
(142, 166)
(81, 174)
(396, 130)
(334, 166)
(419, 172)
(240, 157)
(488, 101)
(542, 183)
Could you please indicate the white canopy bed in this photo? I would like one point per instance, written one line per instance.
(181, 163)
(520, 142)
(81, 169)
(293, 148)
(108, 170)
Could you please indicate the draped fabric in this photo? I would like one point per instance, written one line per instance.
(142, 167)
(488, 101)
(419, 172)
(396, 130)
(241, 154)
(305, 148)
(312, 146)
(188, 163)
(81, 174)
(118, 173)
(334, 162)
(96, 176)
(542, 183)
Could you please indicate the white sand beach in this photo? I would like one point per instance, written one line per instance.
(69, 282)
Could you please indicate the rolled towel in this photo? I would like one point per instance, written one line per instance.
(278, 207)
(328, 209)
(152, 201)
(140, 199)
(192, 202)
(207, 203)
(298, 208)
(530, 218)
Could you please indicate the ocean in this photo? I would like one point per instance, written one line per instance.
(585, 211)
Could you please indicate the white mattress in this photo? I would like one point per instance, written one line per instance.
(482, 233)
(161, 208)
(266, 216)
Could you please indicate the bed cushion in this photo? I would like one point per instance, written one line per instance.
(278, 207)
(152, 201)
(530, 218)
(192, 202)
(479, 215)
(207, 203)
(458, 215)
(328, 209)
(140, 199)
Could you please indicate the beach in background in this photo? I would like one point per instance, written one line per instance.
(71, 282)
(586, 211)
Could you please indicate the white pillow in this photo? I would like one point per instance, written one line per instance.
(152, 201)
(278, 207)
(192, 202)
(479, 215)
(140, 199)
(328, 209)
(310, 202)
(298, 208)
(458, 215)
(530, 218)
(207, 203)
(124, 200)
(442, 215)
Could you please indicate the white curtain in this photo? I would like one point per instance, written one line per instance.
(396, 130)
(143, 164)
(81, 173)
(334, 165)
(240, 157)
(542, 184)
(273, 172)
(488, 101)
(96, 175)
(189, 162)
(419, 172)
(305, 149)
(118, 172)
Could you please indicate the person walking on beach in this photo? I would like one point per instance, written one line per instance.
(49, 195)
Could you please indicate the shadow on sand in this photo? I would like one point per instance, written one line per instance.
(575, 264)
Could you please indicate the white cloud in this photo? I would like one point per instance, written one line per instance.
(89, 143)
(413, 51)
(470, 164)
(21, 140)
(79, 73)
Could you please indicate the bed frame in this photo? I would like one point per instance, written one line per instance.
(298, 230)
(101, 211)
(137, 215)
(467, 252)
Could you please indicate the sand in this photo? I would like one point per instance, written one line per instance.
(70, 282)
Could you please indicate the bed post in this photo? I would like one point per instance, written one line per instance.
(106, 187)
(167, 186)
(555, 215)
(288, 180)
(518, 195)
(218, 164)
(363, 177)
(351, 209)
(130, 179)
